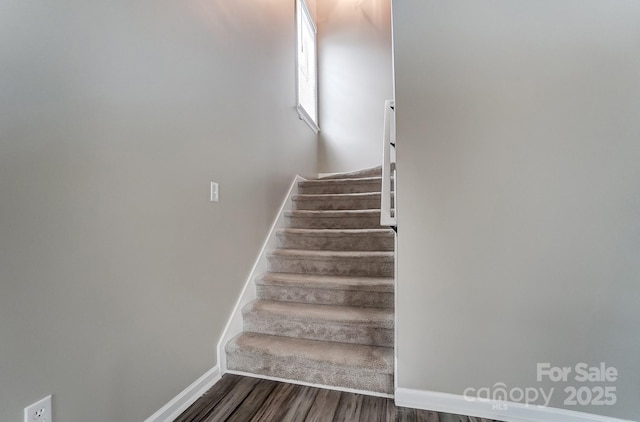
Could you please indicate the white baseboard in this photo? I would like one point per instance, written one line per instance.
(309, 384)
(170, 411)
(509, 412)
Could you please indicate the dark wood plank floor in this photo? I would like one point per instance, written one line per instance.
(245, 399)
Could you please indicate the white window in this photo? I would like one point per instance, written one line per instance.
(307, 72)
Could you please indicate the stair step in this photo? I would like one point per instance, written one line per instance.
(337, 239)
(342, 201)
(364, 284)
(371, 292)
(343, 324)
(340, 263)
(368, 172)
(368, 368)
(348, 185)
(346, 219)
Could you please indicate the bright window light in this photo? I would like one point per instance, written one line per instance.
(307, 74)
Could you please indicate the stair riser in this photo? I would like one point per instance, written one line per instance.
(368, 222)
(355, 267)
(329, 188)
(326, 296)
(337, 204)
(257, 322)
(309, 371)
(344, 243)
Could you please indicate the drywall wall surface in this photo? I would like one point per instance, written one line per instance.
(117, 274)
(355, 78)
(519, 195)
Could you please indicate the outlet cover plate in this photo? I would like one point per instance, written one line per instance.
(39, 411)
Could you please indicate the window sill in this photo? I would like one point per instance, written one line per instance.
(303, 115)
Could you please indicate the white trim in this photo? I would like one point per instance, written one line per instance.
(174, 408)
(311, 121)
(248, 294)
(303, 115)
(387, 216)
(310, 384)
(396, 306)
(514, 412)
(305, 9)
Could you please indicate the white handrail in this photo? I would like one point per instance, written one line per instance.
(387, 203)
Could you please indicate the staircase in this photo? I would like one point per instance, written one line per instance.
(324, 309)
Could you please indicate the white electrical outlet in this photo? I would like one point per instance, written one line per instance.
(39, 411)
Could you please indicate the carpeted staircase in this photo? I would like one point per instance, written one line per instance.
(324, 313)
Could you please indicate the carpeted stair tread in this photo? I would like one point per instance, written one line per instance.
(336, 196)
(375, 358)
(368, 172)
(354, 315)
(340, 263)
(337, 239)
(344, 365)
(368, 284)
(342, 324)
(340, 201)
(333, 255)
(367, 292)
(343, 181)
(367, 233)
(337, 186)
(333, 213)
(332, 219)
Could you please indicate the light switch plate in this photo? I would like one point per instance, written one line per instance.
(214, 192)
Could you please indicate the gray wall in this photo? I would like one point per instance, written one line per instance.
(519, 192)
(116, 273)
(354, 44)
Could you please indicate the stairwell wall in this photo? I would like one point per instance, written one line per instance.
(117, 274)
(519, 194)
(354, 46)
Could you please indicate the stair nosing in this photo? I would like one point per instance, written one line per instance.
(322, 282)
(371, 213)
(318, 196)
(336, 232)
(354, 180)
(357, 316)
(322, 255)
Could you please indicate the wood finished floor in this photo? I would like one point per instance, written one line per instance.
(245, 399)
